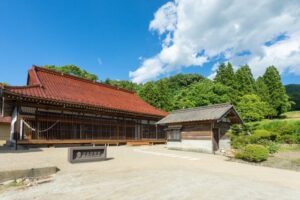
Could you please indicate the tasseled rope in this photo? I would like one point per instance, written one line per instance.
(33, 129)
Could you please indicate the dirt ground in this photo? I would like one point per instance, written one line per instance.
(150, 172)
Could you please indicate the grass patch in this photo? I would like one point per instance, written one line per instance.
(292, 115)
(296, 161)
(289, 148)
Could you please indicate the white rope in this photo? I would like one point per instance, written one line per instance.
(41, 130)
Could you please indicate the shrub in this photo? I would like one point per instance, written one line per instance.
(273, 147)
(288, 139)
(283, 127)
(238, 142)
(262, 135)
(254, 153)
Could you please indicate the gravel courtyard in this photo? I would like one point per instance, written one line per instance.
(150, 172)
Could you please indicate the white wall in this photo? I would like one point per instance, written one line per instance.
(191, 145)
(4, 133)
(224, 144)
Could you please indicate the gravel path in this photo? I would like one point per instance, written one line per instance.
(152, 173)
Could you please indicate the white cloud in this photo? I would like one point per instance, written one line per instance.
(284, 54)
(165, 18)
(99, 60)
(227, 27)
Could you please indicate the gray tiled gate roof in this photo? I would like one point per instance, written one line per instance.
(203, 113)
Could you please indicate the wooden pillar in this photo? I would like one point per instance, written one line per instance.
(17, 127)
(37, 128)
(156, 131)
(125, 127)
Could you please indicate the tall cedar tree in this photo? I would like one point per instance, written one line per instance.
(262, 89)
(278, 98)
(225, 75)
(244, 81)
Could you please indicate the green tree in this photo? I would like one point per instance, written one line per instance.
(202, 93)
(164, 98)
(149, 93)
(73, 70)
(293, 91)
(181, 81)
(262, 89)
(128, 85)
(278, 100)
(3, 83)
(252, 108)
(244, 81)
(225, 75)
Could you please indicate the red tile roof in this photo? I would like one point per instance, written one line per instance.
(5, 120)
(51, 85)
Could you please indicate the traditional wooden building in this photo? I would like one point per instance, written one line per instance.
(200, 129)
(56, 108)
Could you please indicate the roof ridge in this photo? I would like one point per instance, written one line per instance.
(202, 107)
(36, 76)
(89, 104)
(81, 79)
(25, 86)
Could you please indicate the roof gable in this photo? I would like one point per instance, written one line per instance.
(48, 84)
(203, 113)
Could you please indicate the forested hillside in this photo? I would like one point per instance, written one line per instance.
(264, 97)
(293, 91)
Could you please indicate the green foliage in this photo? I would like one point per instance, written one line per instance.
(255, 100)
(202, 93)
(263, 92)
(156, 94)
(260, 136)
(181, 81)
(289, 148)
(289, 139)
(149, 93)
(128, 85)
(164, 97)
(244, 135)
(245, 81)
(292, 115)
(293, 91)
(273, 147)
(3, 83)
(282, 127)
(73, 70)
(254, 153)
(296, 161)
(267, 133)
(278, 98)
(225, 75)
(252, 108)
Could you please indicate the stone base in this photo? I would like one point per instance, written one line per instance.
(204, 146)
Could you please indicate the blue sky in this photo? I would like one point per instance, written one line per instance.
(108, 38)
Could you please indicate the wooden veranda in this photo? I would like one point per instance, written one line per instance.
(92, 142)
